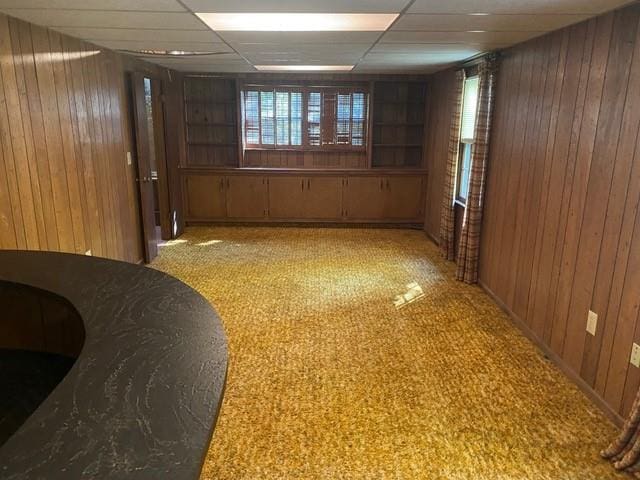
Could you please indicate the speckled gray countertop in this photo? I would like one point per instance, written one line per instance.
(142, 399)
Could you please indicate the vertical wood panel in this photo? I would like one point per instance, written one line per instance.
(64, 181)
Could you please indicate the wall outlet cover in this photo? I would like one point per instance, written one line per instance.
(592, 322)
(635, 355)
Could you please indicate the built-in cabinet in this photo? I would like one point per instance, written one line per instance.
(357, 197)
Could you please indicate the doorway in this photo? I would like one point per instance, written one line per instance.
(152, 178)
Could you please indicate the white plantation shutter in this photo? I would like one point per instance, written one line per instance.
(469, 108)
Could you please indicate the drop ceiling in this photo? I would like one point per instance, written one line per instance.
(427, 36)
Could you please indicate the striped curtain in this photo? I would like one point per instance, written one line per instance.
(624, 451)
(469, 247)
(447, 219)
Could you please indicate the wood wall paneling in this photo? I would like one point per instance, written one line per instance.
(64, 181)
(561, 226)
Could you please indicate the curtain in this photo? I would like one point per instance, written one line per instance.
(469, 247)
(447, 220)
(624, 451)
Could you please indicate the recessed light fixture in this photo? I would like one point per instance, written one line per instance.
(479, 14)
(476, 31)
(304, 68)
(298, 22)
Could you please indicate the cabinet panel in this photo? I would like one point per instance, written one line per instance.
(403, 198)
(246, 196)
(205, 197)
(323, 198)
(286, 197)
(364, 198)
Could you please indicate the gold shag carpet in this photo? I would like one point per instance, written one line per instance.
(329, 380)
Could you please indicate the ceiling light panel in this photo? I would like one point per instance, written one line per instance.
(516, 6)
(113, 19)
(296, 38)
(297, 6)
(495, 23)
(304, 68)
(297, 22)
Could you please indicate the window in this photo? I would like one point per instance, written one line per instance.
(467, 132)
(314, 118)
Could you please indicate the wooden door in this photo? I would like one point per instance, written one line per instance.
(323, 198)
(146, 159)
(364, 198)
(403, 197)
(286, 197)
(246, 196)
(205, 197)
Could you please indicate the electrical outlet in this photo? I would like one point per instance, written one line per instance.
(592, 322)
(88, 253)
(635, 355)
(128, 158)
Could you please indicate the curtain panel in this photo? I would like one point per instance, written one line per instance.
(447, 219)
(624, 451)
(469, 247)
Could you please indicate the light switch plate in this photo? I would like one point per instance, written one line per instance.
(592, 322)
(128, 158)
(635, 355)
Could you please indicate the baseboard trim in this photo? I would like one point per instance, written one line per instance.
(557, 360)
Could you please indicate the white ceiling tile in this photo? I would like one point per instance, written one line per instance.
(128, 5)
(299, 37)
(516, 6)
(427, 48)
(198, 60)
(480, 38)
(163, 45)
(297, 6)
(495, 23)
(114, 19)
(415, 58)
(212, 68)
(135, 34)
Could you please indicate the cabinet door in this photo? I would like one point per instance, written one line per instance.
(286, 197)
(205, 197)
(246, 196)
(364, 198)
(403, 199)
(323, 198)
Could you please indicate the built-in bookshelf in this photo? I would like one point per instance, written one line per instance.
(211, 121)
(398, 124)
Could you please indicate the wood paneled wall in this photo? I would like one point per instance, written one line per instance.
(64, 180)
(436, 145)
(561, 229)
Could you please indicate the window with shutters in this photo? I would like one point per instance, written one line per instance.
(467, 133)
(306, 118)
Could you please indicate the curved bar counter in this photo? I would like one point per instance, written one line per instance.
(142, 398)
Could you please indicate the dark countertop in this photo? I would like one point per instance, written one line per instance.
(142, 399)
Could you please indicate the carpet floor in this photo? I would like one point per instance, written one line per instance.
(329, 380)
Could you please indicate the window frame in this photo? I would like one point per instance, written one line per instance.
(306, 90)
(463, 145)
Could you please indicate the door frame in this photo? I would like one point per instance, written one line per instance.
(143, 167)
